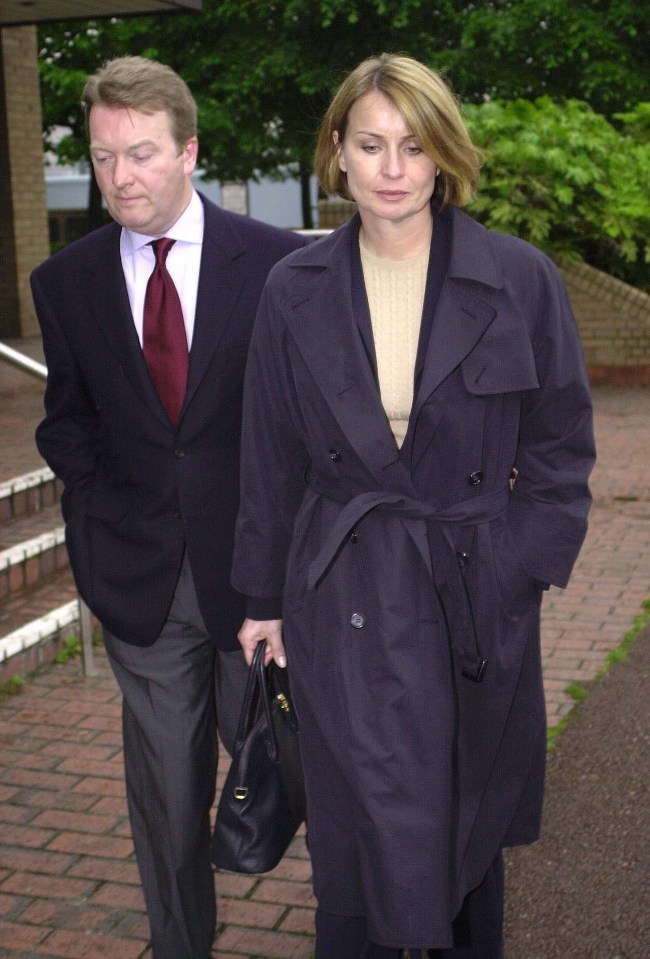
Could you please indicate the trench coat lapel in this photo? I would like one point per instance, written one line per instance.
(464, 310)
(331, 343)
(324, 326)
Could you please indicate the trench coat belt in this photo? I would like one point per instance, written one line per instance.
(470, 512)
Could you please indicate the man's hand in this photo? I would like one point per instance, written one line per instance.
(256, 631)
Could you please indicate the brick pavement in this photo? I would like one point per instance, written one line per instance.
(68, 884)
(581, 624)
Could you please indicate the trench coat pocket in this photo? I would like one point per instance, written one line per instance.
(304, 546)
(516, 588)
(500, 366)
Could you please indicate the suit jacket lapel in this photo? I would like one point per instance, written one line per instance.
(111, 310)
(220, 284)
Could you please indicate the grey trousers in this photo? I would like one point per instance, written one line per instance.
(175, 694)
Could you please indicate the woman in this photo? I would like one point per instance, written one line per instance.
(403, 370)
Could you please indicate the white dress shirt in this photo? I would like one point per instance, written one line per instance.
(183, 264)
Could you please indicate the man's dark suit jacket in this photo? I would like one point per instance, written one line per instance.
(137, 489)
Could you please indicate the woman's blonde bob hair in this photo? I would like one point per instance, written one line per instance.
(430, 112)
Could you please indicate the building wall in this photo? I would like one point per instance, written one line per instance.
(23, 214)
(614, 322)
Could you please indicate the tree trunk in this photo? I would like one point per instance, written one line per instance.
(305, 197)
(95, 212)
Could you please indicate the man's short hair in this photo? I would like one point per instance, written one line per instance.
(143, 85)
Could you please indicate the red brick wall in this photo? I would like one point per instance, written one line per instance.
(614, 322)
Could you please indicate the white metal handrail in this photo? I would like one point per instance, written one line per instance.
(34, 368)
(23, 362)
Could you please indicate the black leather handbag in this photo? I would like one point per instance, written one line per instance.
(262, 803)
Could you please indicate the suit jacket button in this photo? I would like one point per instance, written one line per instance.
(335, 456)
(475, 478)
(357, 620)
(179, 453)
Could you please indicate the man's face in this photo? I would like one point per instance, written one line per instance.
(142, 174)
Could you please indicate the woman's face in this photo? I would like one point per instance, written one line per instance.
(388, 175)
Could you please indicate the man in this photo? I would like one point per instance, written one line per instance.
(146, 344)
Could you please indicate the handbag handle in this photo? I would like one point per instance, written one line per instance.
(257, 682)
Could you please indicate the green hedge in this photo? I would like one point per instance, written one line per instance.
(566, 179)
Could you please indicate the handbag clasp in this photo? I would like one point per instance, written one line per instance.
(283, 701)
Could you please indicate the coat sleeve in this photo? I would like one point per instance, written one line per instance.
(68, 437)
(556, 451)
(273, 463)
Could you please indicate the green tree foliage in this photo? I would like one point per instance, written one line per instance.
(263, 72)
(637, 122)
(68, 52)
(564, 178)
(591, 50)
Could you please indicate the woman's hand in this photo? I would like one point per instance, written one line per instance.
(256, 631)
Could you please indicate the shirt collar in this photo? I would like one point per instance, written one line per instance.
(188, 228)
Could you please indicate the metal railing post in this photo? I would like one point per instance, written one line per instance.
(86, 629)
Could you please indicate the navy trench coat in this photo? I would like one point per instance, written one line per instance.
(412, 580)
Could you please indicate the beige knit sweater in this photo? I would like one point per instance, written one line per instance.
(395, 290)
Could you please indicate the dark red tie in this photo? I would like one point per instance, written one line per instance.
(164, 338)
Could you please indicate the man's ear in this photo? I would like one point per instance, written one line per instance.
(190, 155)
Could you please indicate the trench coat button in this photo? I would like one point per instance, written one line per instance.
(475, 478)
(179, 453)
(357, 620)
(335, 456)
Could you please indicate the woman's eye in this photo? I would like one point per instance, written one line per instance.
(370, 147)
